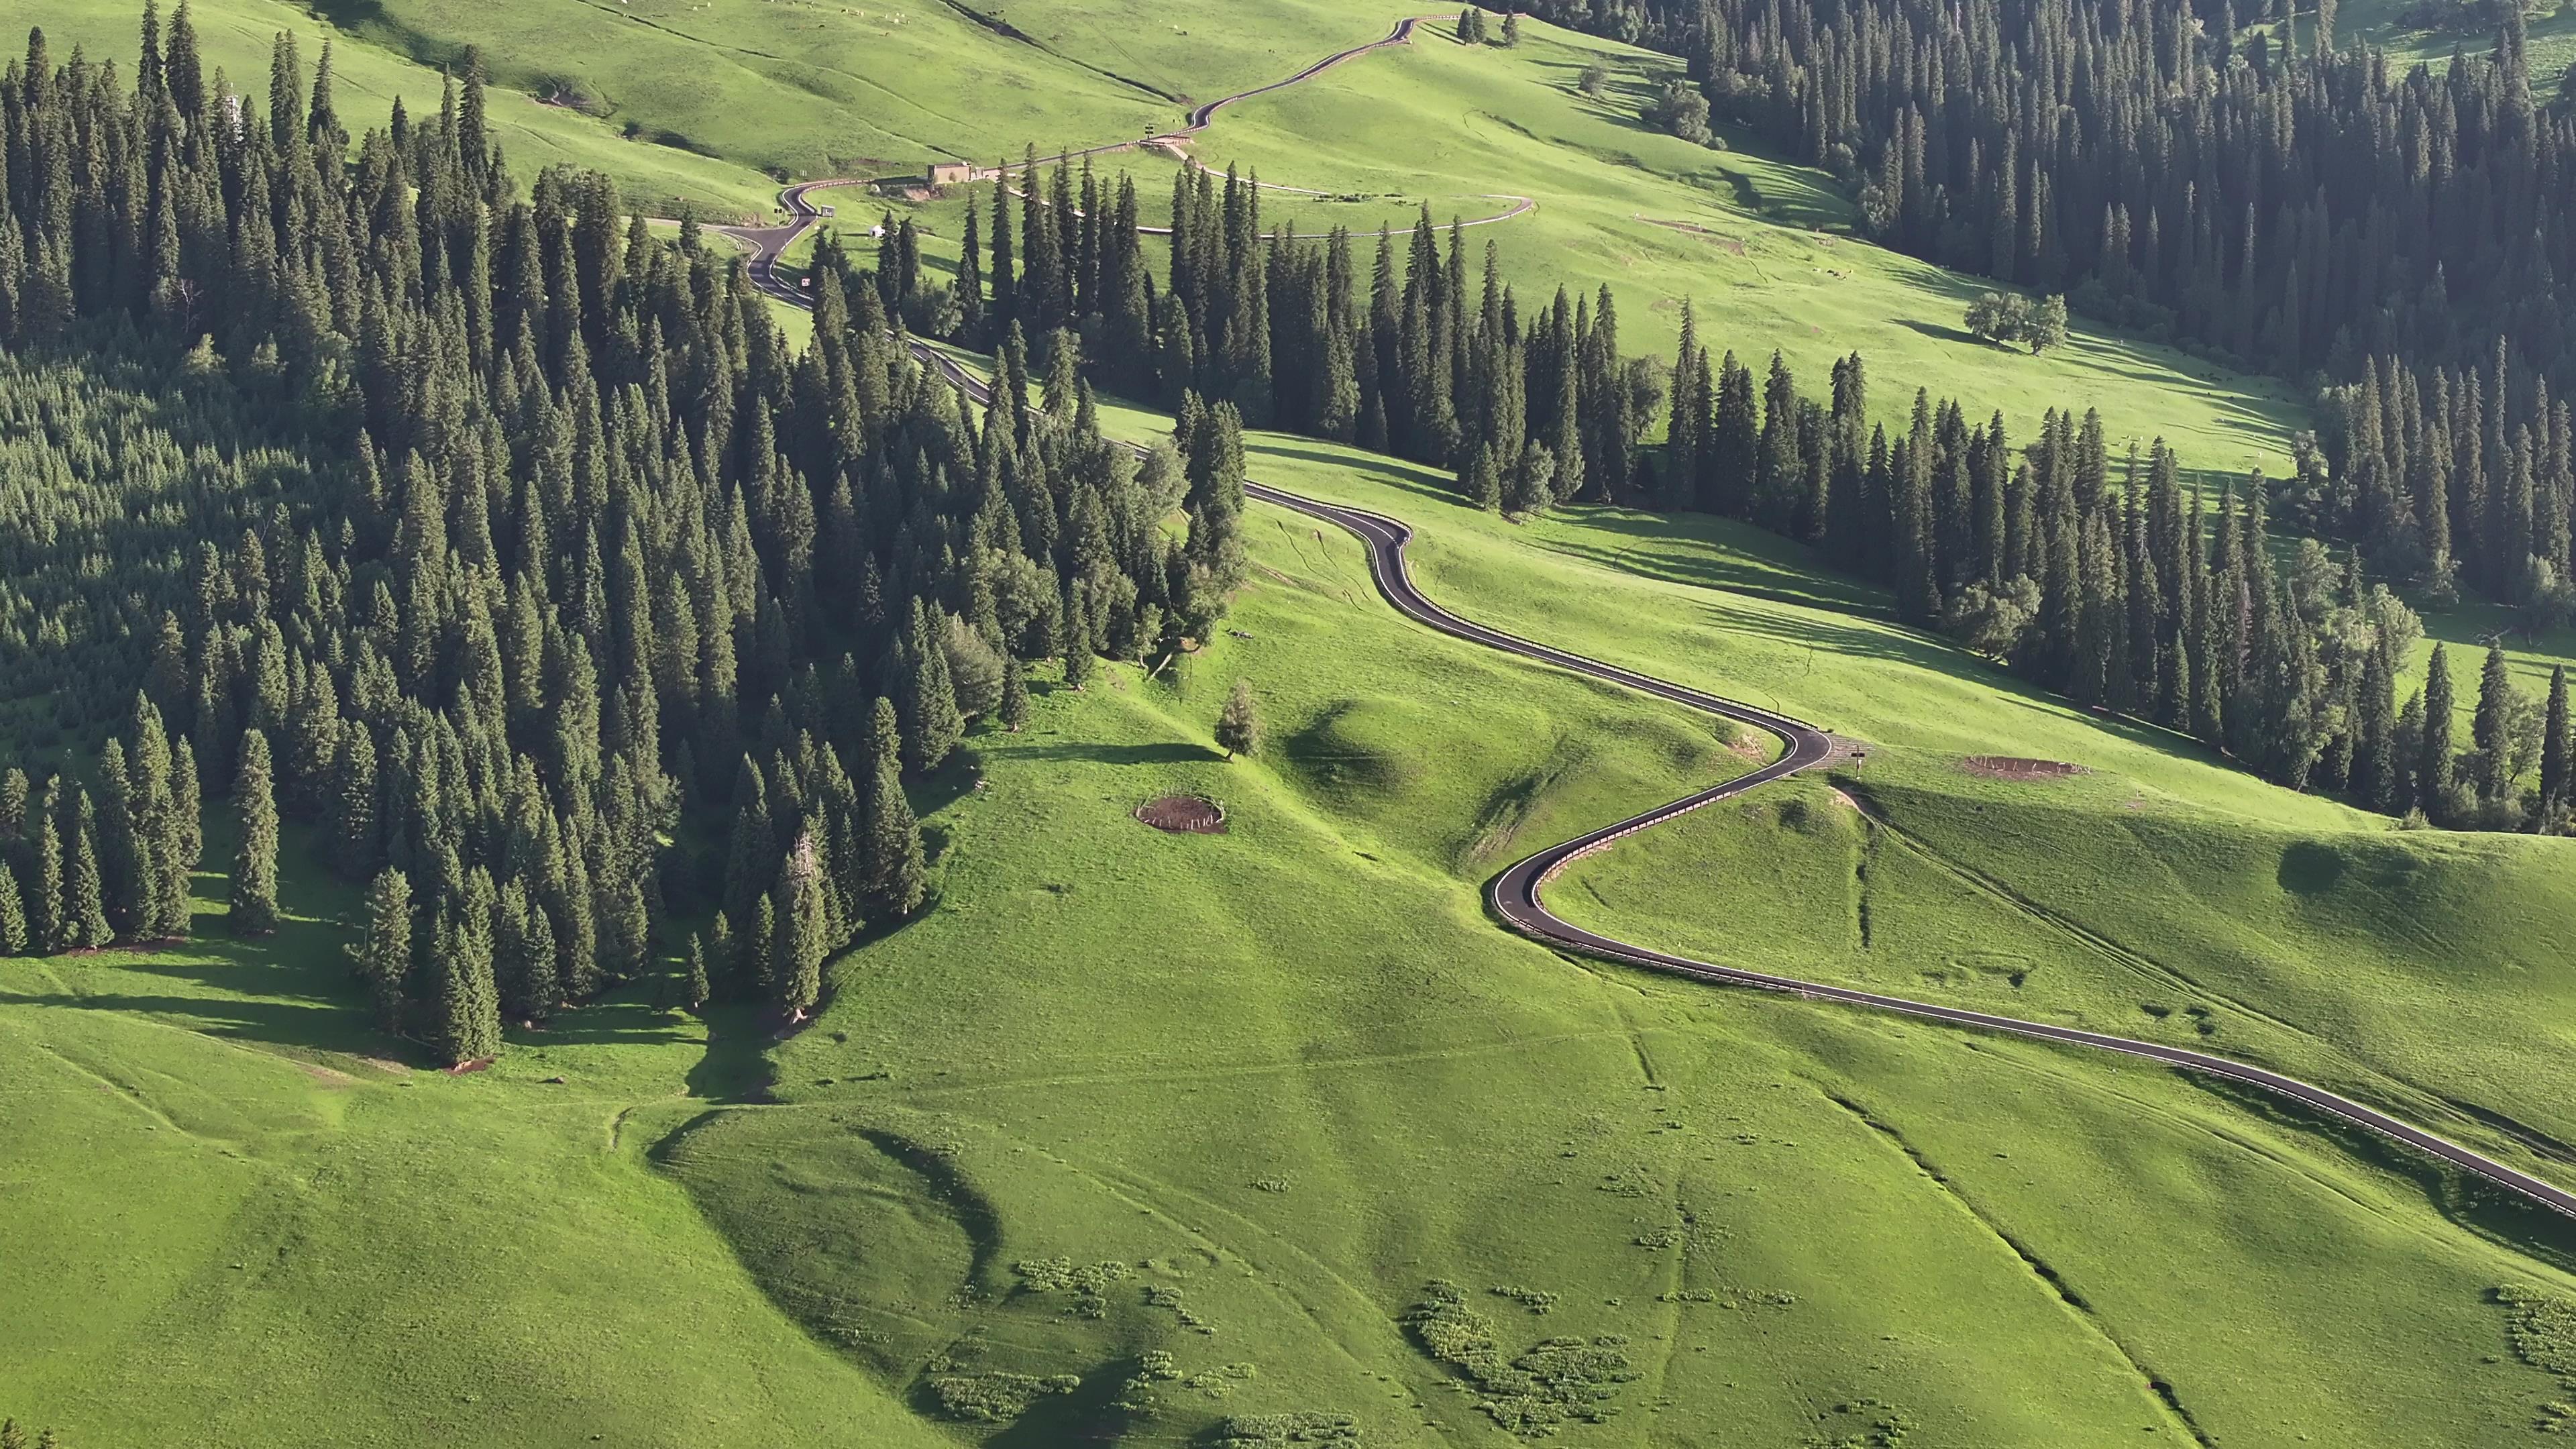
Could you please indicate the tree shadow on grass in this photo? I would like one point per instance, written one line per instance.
(1167, 752)
(1940, 333)
(1746, 561)
(274, 1023)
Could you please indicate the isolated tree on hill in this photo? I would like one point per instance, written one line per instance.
(381, 956)
(1471, 26)
(2046, 327)
(254, 880)
(1238, 726)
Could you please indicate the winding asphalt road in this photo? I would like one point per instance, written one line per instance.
(1516, 893)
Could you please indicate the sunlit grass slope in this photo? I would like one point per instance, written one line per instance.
(237, 1217)
(235, 35)
(1293, 1074)
(1281, 1079)
(2162, 892)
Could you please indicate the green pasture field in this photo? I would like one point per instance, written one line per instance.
(1282, 1079)
(236, 35)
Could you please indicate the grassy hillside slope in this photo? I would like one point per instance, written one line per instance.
(1281, 1079)
(2413, 966)
(235, 35)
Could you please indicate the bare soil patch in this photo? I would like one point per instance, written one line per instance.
(2010, 767)
(1184, 815)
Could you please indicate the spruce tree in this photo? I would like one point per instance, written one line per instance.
(253, 910)
(694, 986)
(2555, 746)
(896, 873)
(13, 913)
(1015, 694)
(46, 925)
(124, 828)
(796, 977)
(724, 954)
(2433, 758)
(467, 1024)
(187, 806)
(2373, 774)
(1077, 639)
(84, 910)
(381, 956)
(2491, 727)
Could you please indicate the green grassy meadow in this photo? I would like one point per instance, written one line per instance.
(1134, 1132)
(236, 35)
(1761, 249)
(1281, 1080)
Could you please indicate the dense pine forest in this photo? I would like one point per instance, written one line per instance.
(2110, 582)
(497, 543)
(2270, 199)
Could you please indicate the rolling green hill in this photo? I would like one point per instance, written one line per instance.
(1229, 1139)
(1284, 1079)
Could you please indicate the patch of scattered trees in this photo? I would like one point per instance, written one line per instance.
(2039, 322)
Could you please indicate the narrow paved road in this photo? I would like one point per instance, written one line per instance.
(768, 242)
(1516, 893)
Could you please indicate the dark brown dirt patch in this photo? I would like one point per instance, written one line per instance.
(2009, 767)
(1184, 815)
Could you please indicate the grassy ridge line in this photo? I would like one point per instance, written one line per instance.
(235, 36)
